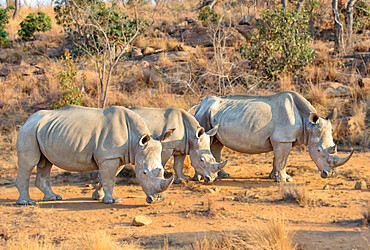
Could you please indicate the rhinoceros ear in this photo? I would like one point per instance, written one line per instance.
(166, 134)
(200, 132)
(144, 140)
(333, 115)
(313, 118)
(213, 132)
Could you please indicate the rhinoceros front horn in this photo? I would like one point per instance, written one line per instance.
(166, 183)
(218, 166)
(336, 161)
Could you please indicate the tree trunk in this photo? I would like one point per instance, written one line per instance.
(16, 9)
(338, 29)
(299, 5)
(284, 3)
(350, 6)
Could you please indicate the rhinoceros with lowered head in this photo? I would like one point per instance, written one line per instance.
(187, 137)
(84, 139)
(278, 122)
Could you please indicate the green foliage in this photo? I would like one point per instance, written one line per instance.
(71, 93)
(207, 14)
(281, 45)
(4, 20)
(34, 23)
(361, 14)
(90, 24)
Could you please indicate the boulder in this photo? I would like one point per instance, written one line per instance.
(361, 185)
(5, 71)
(336, 89)
(201, 36)
(171, 30)
(141, 220)
(175, 56)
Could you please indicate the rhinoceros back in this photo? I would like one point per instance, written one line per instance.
(76, 138)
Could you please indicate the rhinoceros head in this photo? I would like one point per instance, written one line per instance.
(149, 170)
(201, 156)
(321, 146)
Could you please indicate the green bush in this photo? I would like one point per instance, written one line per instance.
(281, 45)
(207, 14)
(88, 23)
(71, 93)
(4, 20)
(34, 23)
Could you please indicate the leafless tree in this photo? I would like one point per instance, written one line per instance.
(350, 6)
(338, 29)
(16, 8)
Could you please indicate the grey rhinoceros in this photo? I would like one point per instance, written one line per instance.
(187, 137)
(83, 139)
(258, 124)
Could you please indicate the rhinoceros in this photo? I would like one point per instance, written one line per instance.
(278, 122)
(187, 138)
(84, 139)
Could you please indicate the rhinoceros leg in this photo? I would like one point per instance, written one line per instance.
(98, 194)
(107, 171)
(43, 180)
(216, 149)
(281, 153)
(178, 166)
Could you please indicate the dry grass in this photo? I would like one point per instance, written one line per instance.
(25, 242)
(294, 193)
(366, 215)
(98, 240)
(273, 236)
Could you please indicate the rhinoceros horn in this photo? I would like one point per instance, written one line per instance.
(165, 183)
(336, 161)
(218, 166)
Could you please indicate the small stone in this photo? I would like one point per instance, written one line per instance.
(148, 50)
(360, 185)
(171, 225)
(171, 203)
(89, 185)
(171, 30)
(228, 198)
(210, 190)
(184, 23)
(326, 187)
(308, 182)
(256, 197)
(141, 220)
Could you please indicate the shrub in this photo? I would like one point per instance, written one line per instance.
(34, 23)
(71, 93)
(281, 45)
(207, 14)
(4, 20)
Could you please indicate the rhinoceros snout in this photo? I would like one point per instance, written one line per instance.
(324, 174)
(159, 197)
(207, 178)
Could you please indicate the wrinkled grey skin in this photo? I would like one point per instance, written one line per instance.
(259, 124)
(187, 137)
(84, 139)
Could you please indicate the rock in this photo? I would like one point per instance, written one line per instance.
(336, 89)
(256, 197)
(364, 82)
(326, 187)
(135, 52)
(183, 47)
(184, 23)
(360, 185)
(200, 36)
(11, 56)
(5, 71)
(171, 225)
(210, 190)
(189, 20)
(148, 50)
(172, 203)
(176, 56)
(141, 220)
(228, 198)
(171, 30)
(89, 185)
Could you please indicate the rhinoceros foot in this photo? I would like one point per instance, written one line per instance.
(98, 194)
(223, 175)
(26, 202)
(283, 177)
(52, 198)
(108, 200)
(181, 180)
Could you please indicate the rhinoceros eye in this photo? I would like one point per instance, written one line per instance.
(145, 171)
(319, 149)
